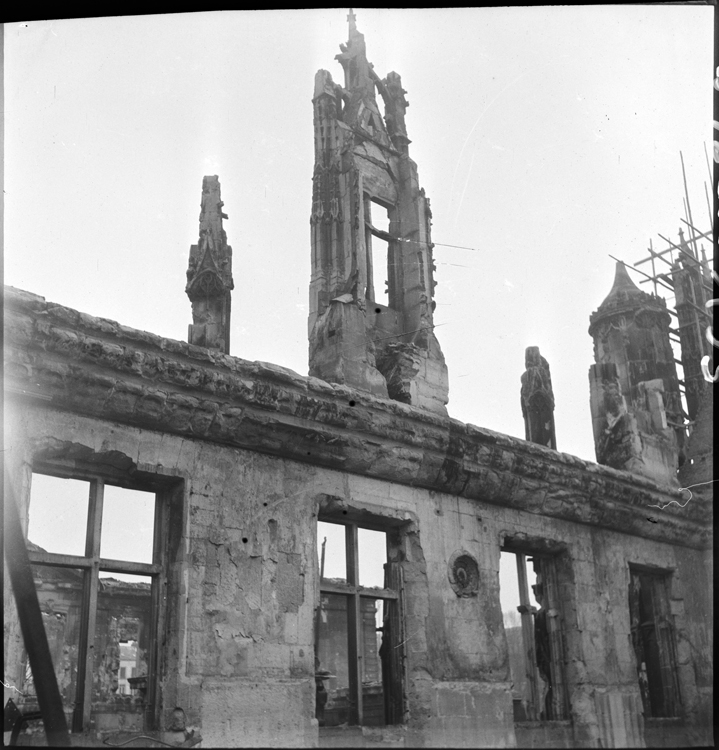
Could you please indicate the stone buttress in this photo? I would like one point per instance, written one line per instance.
(362, 174)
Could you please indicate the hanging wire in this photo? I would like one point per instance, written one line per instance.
(441, 244)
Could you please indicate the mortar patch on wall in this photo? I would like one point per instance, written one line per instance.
(463, 574)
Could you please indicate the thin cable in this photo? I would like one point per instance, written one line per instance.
(441, 244)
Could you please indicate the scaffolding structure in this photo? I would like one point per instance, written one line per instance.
(685, 276)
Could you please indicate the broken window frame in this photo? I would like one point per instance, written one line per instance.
(370, 231)
(392, 596)
(92, 564)
(547, 565)
(660, 624)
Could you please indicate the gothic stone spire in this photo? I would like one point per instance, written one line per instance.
(209, 275)
(371, 230)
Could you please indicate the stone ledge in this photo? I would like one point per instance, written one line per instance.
(98, 368)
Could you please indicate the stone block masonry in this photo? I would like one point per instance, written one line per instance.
(260, 452)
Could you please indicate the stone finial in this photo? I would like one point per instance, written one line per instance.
(395, 108)
(353, 58)
(209, 275)
(538, 399)
(623, 294)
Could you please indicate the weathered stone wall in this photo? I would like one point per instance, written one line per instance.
(261, 450)
(100, 368)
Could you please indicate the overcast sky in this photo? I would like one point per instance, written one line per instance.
(546, 138)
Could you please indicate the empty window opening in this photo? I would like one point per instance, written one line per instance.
(372, 124)
(58, 514)
(119, 505)
(532, 623)
(377, 244)
(357, 631)
(95, 562)
(652, 632)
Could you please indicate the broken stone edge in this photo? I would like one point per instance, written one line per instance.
(68, 360)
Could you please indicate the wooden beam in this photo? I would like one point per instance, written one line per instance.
(85, 662)
(346, 589)
(32, 627)
(528, 635)
(354, 627)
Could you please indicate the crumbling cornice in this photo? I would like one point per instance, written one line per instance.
(105, 370)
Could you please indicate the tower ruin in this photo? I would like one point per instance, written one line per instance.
(634, 390)
(363, 172)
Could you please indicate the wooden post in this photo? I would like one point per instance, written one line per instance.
(528, 635)
(32, 627)
(354, 625)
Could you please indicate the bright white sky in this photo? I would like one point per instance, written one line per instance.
(545, 137)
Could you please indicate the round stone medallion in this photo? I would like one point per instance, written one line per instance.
(464, 574)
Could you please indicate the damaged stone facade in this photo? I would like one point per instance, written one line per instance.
(245, 460)
(255, 454)
(120, 649)
(634, 390)
(363, 170)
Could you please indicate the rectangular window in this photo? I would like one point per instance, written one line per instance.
(533, 625)
(652, 632)
(378, 251)
(358, 631)
(96, 554)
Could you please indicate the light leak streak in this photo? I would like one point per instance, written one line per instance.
(682, 489)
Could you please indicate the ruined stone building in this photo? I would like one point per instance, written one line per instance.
(286, 560)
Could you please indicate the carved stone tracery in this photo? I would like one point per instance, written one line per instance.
(209, 274)
(362, 166)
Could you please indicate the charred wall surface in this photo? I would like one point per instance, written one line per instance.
(257, 454)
